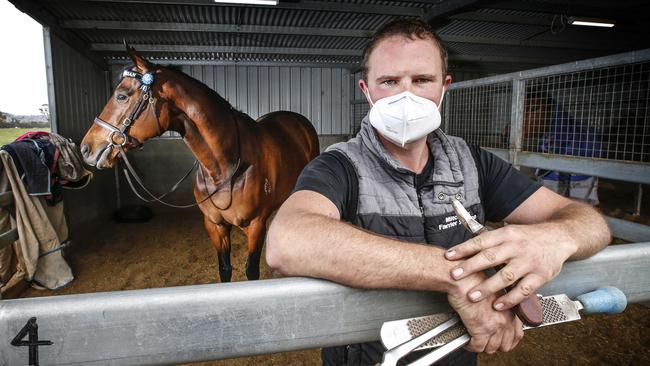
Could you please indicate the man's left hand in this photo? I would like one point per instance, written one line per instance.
(530, 255)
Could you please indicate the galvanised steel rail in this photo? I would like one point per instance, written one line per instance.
(618, 170)
(628, 230)
(582, 65)
(206, 322)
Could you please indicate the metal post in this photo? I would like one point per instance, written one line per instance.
(49, 73)
(516, 119)
(639, 198)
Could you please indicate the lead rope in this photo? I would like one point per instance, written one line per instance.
(136, 177)
(158, 199)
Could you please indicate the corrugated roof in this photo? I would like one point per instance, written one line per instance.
(221, 39)
(475, 32)
(490, 30)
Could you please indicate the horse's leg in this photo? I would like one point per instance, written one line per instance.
(220, 237)
(255, 232)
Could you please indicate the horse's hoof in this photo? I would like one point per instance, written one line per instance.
(225, 276)
(253, 274)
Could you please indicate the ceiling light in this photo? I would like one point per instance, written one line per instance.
(248, 2)
(592, 22)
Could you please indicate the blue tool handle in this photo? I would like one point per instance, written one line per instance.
(609, 300)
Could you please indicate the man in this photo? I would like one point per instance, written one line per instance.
(548, 128)
(360, 210)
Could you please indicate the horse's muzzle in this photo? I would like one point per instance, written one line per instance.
(99, 160)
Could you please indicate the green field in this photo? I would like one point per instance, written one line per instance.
(8, 135)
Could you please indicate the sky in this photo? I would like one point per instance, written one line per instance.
(23, 86)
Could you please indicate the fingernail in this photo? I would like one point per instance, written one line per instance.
(498, 306)
(457, 272)
(450, 253)
(474, 296)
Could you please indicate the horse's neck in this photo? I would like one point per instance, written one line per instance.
(212, 130)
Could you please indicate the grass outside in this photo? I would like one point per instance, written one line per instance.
(8, 135)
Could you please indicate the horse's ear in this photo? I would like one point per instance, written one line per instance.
(138, 61)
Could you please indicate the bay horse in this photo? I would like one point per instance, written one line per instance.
(246, 168)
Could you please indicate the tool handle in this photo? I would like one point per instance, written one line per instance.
(529, 311)
(608, 300)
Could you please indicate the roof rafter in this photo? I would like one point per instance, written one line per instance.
(203, 27)
(587, 45)
(543, 19)
(302, 5)
(234, 49)
(446, 8)
(115, 47)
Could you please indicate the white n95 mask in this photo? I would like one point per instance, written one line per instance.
(404, 117)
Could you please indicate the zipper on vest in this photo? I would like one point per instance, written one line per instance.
(417, 191)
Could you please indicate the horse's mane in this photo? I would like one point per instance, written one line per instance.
(196, 83)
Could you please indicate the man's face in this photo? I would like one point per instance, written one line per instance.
(399, 64)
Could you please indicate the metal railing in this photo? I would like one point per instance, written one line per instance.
(206, 322)
(588, 117)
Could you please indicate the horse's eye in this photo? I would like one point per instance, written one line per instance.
(121, 97)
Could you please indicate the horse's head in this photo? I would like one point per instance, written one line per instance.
(133, 114)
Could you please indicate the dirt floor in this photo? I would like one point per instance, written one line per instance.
(174, 250)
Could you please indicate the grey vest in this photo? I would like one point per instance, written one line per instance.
(388, 202)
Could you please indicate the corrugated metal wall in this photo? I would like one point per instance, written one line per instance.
(80, 94)
(320, 94)
(80, 88)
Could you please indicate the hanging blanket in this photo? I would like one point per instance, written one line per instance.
(41, 230)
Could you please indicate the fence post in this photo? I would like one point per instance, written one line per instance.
(516, 120)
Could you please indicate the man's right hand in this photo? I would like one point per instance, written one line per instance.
(491, 330)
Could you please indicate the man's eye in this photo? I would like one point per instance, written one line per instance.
(422, 81)
(389, 82)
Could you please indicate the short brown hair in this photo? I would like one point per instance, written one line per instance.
(408, 28)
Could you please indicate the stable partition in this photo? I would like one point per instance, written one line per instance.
(206, 322)
(588, 117)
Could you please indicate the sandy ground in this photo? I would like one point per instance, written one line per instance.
(174, 250)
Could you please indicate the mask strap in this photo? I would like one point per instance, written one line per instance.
(442, 97)
(367, 94)
(404, 129)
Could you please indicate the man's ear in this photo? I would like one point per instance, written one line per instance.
(363, 86)
(447, 82)
(139, 62)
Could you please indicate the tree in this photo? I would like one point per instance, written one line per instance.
(45, 111)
